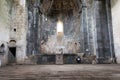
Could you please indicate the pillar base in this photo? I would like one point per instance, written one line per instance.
(106, 60)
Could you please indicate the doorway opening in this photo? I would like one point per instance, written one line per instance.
(12, 55)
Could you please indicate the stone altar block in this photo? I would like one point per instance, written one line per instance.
(59, 58)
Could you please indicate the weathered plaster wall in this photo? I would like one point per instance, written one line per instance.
(116, 26)
(5, 10)
(4, 20)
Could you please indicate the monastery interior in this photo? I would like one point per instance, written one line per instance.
(59, 31)
(59, 40)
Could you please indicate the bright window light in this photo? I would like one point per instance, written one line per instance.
(22, 2)
(59, 27)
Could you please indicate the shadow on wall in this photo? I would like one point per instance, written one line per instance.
(3, 53)
(113, 2)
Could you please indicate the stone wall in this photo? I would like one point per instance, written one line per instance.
(116, 26)
(18, 29)
(13, 26)
(70, 42)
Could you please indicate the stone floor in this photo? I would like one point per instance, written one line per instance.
(61, 72)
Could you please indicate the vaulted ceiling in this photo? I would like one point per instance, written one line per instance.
(56, 7)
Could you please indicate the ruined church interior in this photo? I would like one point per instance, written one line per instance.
(59, 39)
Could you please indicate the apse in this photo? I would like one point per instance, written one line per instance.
(61, 27)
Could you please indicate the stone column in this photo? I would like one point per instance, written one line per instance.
(33, 34)
(104, 38)
(39, 32)
(110, 28)
(85, 27)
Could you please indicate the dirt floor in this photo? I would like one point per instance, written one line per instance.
(61, 72)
